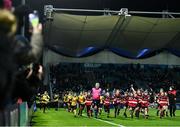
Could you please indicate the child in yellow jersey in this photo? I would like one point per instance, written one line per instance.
(44, 100)
(65, 101)
(81, 100)
(56, 101)
(74, 104)
(101, 104)
(69, 101)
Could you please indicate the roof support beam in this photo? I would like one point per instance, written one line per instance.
(49, 9)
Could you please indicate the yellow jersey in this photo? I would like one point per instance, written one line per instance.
(74, 101)
(69, 98)
(81, 99)
(45, 98)
(101, 99)
(56, 98)
(65, 98)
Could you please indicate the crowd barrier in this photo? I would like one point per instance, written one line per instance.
(16, 115)
(178, 106)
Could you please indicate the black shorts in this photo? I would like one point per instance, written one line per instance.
(74, 107)
(88, 107)
(82, 105)
(96, 103)
(100, 105)
(119, 106)
(43, 105)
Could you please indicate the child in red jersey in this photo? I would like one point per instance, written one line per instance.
(156, 99)
(163, 103)
(139, 98)
(145, 103)
(107, 104)
(88, 103)
(125, 103)
(116, 102)
(132, 103)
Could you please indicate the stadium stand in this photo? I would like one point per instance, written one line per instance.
(79, 76)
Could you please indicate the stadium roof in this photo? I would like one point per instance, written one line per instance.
(128, 36)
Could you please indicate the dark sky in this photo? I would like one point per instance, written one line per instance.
(132, 5)
(147, 5)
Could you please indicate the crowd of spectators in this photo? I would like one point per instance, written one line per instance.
(20, 71)
(79, 76)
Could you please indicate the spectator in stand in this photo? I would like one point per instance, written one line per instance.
(155, 78)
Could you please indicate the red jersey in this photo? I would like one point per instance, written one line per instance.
(172, 96)
(163, 100)
(88, 101)
(107, 101)
(173, 92)
(139, 98)
(125, 100)
(145, 101)
(132, 102)
(117, 99)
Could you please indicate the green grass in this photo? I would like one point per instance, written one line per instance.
(64, 118)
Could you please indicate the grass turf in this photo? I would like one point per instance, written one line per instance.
(64, 118)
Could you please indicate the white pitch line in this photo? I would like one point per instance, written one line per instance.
(119, 125)
(109, 122)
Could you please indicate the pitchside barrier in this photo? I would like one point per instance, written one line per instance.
(16, 115)
(178, 106)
